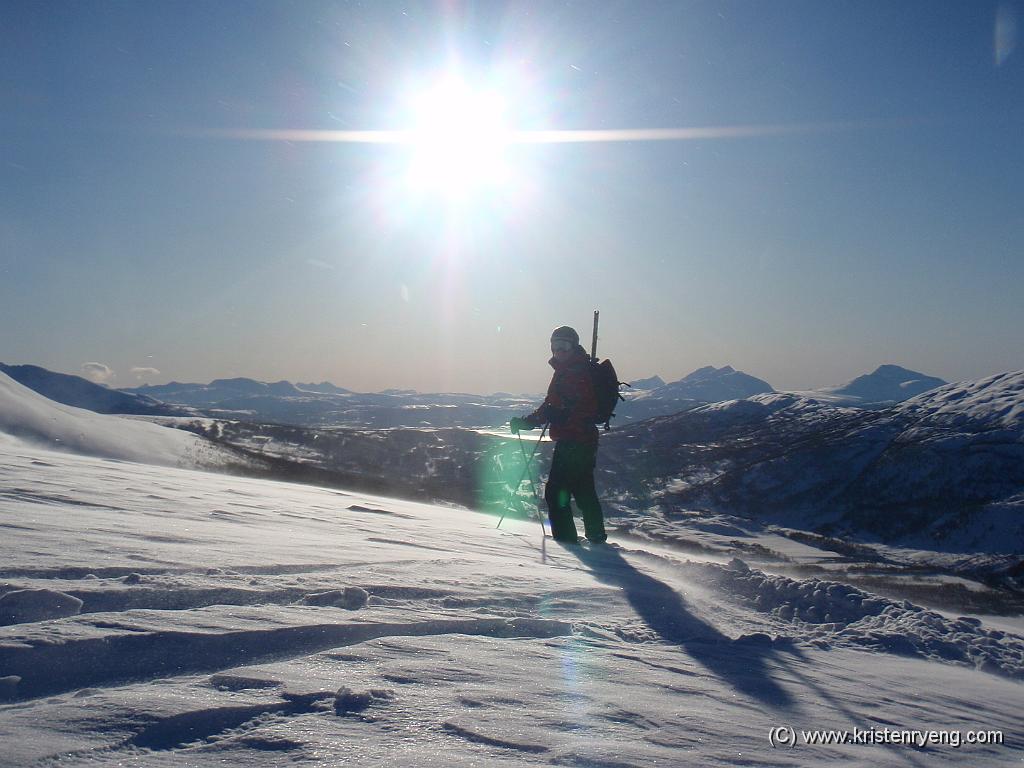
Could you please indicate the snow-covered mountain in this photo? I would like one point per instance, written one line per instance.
(325, 404)
(156, 616)
(81, 393)
(819, 467)
(704, 385)
(324, 387)
(995, 402)
(889, 383)
(654, 382)
(884, 386)
(712, 385)
(943, 472)
(944, 469)
(32, 418)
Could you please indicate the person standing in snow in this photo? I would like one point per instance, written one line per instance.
(570, 408)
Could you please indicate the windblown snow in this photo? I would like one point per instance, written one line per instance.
(161, 616)
(36, 419)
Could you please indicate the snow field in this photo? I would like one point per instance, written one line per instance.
(246, 622)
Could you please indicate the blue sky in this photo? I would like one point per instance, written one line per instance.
(883, 225)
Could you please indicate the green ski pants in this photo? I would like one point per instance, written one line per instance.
(572, 476)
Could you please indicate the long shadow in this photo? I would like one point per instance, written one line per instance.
(897, 751)
(741, 664)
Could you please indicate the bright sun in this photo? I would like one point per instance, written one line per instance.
(458, 139)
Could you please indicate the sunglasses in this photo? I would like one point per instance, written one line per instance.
(560, 345)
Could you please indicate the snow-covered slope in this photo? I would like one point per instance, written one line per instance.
(76, 391)
(157, 616)
(944, 470)
(29, 416)
(995, 401)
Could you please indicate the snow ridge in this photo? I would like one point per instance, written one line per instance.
(27, 415)
(830, 612)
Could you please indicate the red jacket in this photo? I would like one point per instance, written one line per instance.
(571, 403)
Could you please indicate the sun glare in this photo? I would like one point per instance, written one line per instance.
(458, 139)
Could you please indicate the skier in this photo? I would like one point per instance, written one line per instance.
(570, 407)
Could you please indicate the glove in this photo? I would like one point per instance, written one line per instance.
(518, 423)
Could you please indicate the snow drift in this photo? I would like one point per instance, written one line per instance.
(30, 417)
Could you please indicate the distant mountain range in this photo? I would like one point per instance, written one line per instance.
(886, 385)
(653, 397)
(218, 390)
(324, 404)
(944, 469)
(946, 466)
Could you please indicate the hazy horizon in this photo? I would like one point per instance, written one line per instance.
(834, 187)
(108, 378)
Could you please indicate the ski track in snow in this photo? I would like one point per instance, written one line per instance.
(307, 625)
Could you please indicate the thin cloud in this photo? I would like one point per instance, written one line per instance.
(1006, 33)
(142, 373)
(98, 372)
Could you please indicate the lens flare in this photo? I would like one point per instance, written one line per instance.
(1006, 33)
(555, 136)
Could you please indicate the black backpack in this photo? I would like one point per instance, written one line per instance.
(606, 390)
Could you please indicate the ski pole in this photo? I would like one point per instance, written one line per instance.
(529, 461)
(533, 483)
(526, 469)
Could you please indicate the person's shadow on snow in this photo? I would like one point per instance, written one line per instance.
(739, 663)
